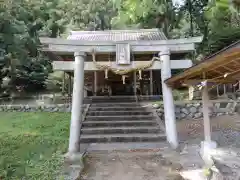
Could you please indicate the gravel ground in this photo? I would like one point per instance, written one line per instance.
(225, 130)
(227, 137)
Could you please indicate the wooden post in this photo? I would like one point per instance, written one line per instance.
(135, 83)
(69, 84)
(95, 83)
(190, 93)
(151, 82)
(206, 119)
(63, 83)
(207, 145)
(224, 89)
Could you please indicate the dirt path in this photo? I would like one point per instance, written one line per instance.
(131, 165)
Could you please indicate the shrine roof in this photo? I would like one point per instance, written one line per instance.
(118, 35)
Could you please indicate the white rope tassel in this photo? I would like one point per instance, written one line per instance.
(140, 74)
(106, 73)
(123, 78)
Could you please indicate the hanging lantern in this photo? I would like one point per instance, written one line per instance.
(123, 78)
(140, 74)
(106, 73)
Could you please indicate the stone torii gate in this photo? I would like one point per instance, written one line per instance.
(81, 48)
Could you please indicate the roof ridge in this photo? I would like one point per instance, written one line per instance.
(118, 35)
(116, 31)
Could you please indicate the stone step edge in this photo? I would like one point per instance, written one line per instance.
(100, 136)
(120, 108)
(113, 106)
(112, 116)
(126, 111)
(122, 128)
(117, 122)
(141, 148)
(120, 119)
(130, 104)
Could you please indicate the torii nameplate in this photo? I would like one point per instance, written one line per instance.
(123, 54)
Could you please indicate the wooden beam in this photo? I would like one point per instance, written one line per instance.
(231, 70)
(228, 76)
(199, 81)
(237, 62)
(217, 71)
(200, 70)
(217, 80)
(213, 61)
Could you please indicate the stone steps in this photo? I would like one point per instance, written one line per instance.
(120, 99)
(119, 123)
(117, 113)
(100, 138)
(117, 118)
(120, 130)
(117, 108)
(115, 105)
(114, 99)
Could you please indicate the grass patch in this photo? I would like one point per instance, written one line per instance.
(31, 144)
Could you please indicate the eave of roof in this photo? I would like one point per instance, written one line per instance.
(214, 66)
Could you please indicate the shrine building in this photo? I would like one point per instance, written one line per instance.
(120, 63)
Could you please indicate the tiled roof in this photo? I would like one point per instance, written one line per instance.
(118, 35)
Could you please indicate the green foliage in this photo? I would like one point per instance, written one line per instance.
(54, 81)
(23, 21)
(180, 95)
(223, 29)
(87, 15)
(219, 40)
(20, 60)
(226, 4)
(218, 21)
(32, 145)
(147, 14)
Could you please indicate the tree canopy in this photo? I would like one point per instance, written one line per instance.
(23, 21)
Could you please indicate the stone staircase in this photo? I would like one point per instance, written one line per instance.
(120, 123)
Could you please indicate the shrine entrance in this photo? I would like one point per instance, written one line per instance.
(131, 85)
(120, 87)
